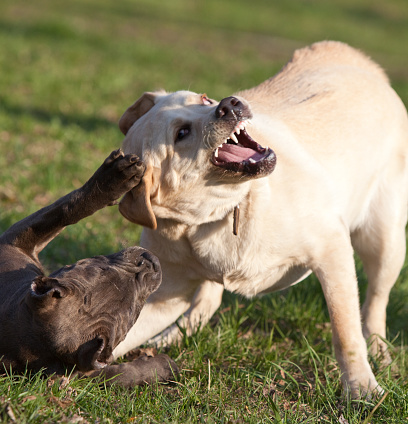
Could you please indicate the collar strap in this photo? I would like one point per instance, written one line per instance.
(235, 224)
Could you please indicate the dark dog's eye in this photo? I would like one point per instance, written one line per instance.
(183, 132)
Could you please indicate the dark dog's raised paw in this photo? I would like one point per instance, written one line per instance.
(132, 167)
(118, 174)
(128, 168)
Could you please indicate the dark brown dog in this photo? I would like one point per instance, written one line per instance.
(75, 317)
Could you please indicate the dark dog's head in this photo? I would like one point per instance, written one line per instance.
(85, 310)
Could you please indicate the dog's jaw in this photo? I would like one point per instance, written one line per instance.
(242, 155)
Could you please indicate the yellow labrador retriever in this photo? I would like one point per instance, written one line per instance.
(219, 214)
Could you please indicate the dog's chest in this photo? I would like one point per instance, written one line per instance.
(243, 267)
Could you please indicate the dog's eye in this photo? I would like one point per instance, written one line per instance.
(183, 132)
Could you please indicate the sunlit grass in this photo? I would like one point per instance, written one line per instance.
(67, 72)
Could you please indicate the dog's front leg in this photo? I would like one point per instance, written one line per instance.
(117, 175)
(157, 314)
(173, 298)
(207, 299)
(335, 269)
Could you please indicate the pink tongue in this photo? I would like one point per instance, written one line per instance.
(234, 153)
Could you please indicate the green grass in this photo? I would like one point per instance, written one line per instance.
(68, 70)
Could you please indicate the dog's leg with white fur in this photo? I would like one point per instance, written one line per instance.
(169, 304)
(192, 300)
(381, 245)
(207, 299)
(339, 283)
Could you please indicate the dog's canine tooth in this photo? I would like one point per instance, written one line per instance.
(216, 152)
(252, 160)
(233, 138)
(237, 130)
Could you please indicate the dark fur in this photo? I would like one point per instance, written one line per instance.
(77, 315)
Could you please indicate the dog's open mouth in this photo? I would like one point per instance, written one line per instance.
(240, 153)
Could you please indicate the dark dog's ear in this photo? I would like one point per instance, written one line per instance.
(134, 112)
(91, 355)
(45, 288)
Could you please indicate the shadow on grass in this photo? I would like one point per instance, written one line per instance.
(279, 310)
(87, 123)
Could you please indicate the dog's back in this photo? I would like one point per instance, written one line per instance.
(295, 76)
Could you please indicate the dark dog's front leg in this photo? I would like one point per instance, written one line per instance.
(143, 370)
(116, 176)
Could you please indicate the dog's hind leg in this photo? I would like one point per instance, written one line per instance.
(380, 244)
(339, 284)
(117, 175)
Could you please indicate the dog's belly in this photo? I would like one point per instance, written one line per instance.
(267, 283)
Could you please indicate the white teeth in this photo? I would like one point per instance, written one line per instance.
(251, 160)
(234, 138)
(240, 127)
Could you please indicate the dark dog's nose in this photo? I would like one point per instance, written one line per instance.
(153, 260)
(229, 108)
(149, 271)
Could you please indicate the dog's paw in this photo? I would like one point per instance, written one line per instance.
(127, 170)
(141, 371)
(157, 368)
(118, 174)
(370, 391)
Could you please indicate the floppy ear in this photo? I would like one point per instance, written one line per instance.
(136, 206)
(134, 112)
(46, 288)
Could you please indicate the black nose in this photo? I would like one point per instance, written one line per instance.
(149, 271)
(153, 260)
(229, 108)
